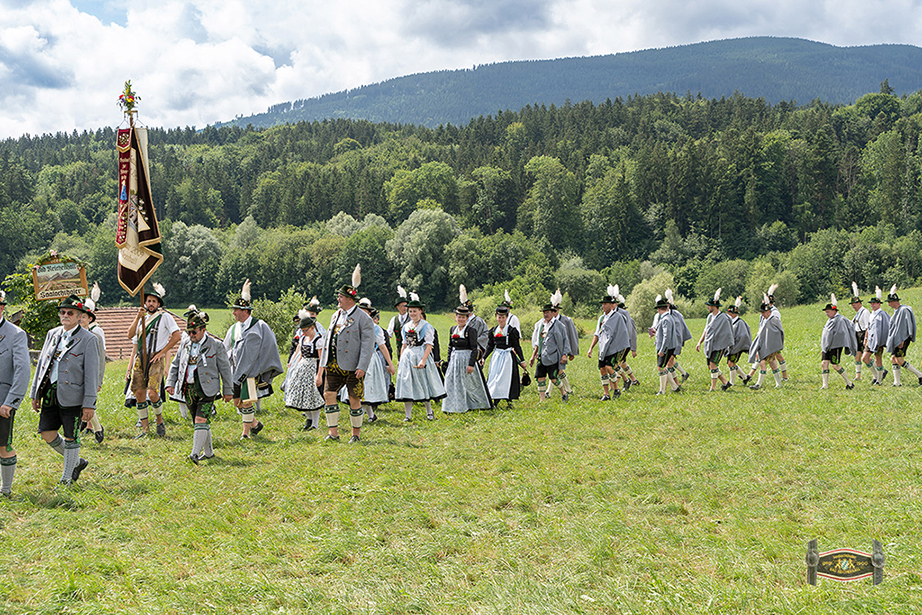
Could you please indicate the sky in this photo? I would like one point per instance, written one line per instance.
(63, 63)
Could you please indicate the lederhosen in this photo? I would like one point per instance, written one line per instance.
(199, 404)
(53, 415)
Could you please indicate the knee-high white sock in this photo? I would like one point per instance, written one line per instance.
(825, 378)
(71, 458)
(777, 374)
(842, 373)
(7, 469)
(408, 409)
(199, 436)
(896, 374)
(912, 369)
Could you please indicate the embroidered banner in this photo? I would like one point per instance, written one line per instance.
(137, 232)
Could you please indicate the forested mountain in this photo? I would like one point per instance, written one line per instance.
(775, 69)
(643, 192)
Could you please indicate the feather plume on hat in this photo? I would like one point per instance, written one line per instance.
(893, 289)
(507, 297)
(832, 300)
(192, 308)
(401, 291)
(738, 302)
(557, 298)
(717, 295)
(96, 292)
(314, 302)
(772, 289)
(244, 291)
(669, 296)
(611, 291)
(620, 298)
(658, 298)
(414, 297)
(765, 298)
(159, 289)
(878, 292)
(854, 289)
(302, 314)
(357, 276)
(462, 294)
(2, 295)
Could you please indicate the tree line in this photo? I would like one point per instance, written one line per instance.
(576, 196)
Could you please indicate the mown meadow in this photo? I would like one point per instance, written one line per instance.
(689, 503)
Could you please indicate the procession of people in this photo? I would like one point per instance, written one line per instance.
(350, 362)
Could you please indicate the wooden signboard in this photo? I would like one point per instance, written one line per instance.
(845, 564)
(57, 278)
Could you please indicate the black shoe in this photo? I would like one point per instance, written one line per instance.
(194, 458)
(627, 384)
(354, 439)
(373, 418)
(685, 376)
(605, 398)
(204, 456)
(161, 430)
(141, 435)
(678, 389)
(308, 425)
(726, 387)
(755, 387)
(615, 394)
(851, 385)
(330, 438)
(882, 378)
(100, 435)
(565, 397)
(255, 430)
(80, 467)
(746, 380)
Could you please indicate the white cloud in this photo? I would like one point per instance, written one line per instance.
(63, 63)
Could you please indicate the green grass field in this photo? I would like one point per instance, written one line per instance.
(688, 503)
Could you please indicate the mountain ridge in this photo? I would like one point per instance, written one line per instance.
(773, 68)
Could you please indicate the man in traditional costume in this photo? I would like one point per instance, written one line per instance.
(717, 338)
(396, 323)
(551, 344)
(769, 341)
(902, 333)
(742, 339)
(14, 383)
(876, 340)
(860, 322)
(782, 364)
(65, 385)
(666, 341)
(161, 334)
(838, 335)
(683, 334)
(88, 322)
(200, 372)
(254, 355)
(613, 338)
(627, 374)
(349, 348)
(572, 337)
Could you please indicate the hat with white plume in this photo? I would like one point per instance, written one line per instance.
(245, 300)
(158, 292)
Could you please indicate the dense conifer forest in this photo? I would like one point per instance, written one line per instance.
(696, 192)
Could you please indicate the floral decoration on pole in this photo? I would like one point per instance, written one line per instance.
(128, 99)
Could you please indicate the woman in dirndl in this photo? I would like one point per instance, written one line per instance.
(505, 347)
(301, 392)
(418, 378)
(465, 387)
